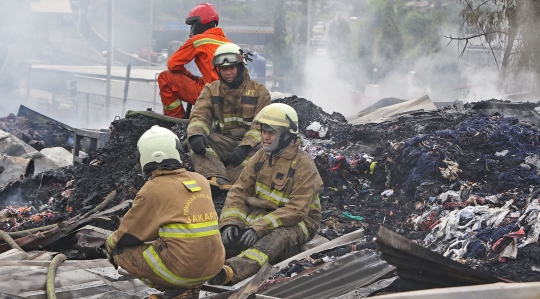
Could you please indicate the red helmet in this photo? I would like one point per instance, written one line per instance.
(204, 13)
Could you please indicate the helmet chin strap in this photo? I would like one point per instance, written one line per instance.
(199, 28)
(280, 143)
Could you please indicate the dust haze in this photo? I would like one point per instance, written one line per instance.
(333, 82)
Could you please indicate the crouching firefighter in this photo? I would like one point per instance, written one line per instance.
(274, 206)
(169, 239)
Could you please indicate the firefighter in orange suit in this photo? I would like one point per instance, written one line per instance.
(169, 239)
(177, 84)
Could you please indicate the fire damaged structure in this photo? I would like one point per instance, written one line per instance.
(414, 202)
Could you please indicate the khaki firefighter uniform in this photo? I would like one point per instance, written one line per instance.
(280, 201)
(175, 215)
(225, 117)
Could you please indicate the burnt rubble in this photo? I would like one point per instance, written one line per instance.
(406, 174)
(37, 135)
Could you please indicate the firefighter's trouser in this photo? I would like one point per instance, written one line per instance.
(175, 88)
(267, 250)
(211, 164)
(132, 260)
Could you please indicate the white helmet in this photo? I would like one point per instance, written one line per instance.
(157, 145)
(227, 54)
(279, 115)
(282, 120)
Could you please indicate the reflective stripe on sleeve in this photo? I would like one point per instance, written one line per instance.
(110, 242)
(253, 218)
(255, 134)
(173, 106)
(154, 261)
(255, 255)
(204, 41)
(192, 186)
(233, 212)
(189, 231)
(200, 124)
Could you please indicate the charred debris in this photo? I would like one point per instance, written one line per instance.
(463, 181)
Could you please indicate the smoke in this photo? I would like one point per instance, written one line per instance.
(327, 86)
(444, 76)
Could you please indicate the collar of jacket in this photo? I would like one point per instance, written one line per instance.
(214, 31)
(290, 151)
(245, 81)
(160, 172)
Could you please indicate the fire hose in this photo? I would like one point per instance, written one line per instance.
(9, 240)
(51, 273)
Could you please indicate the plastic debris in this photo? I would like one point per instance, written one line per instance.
(351, 216)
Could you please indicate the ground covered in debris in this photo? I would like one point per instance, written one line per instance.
(430, 176)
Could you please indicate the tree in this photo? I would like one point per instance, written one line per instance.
(390, 44)
(510, 27)
(415, 24)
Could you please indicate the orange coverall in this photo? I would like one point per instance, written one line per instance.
(177, 84)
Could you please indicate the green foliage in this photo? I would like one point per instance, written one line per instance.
(415, 25)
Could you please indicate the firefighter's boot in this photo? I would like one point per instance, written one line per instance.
(219, 183)
(224, 276)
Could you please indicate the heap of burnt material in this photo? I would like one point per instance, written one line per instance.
(39, 135)
(386, 174)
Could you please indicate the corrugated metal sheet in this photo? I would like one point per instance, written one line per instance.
(424, 268)
(335, 278)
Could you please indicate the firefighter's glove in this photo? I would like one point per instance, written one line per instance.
(198, 143)
(249, 238)
(109, 255)
(229, 234)
(238, 155)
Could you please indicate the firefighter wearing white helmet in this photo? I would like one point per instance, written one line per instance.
(282, 121)
(221, 131)
(274, 206)
(146, 243)
(159, 148)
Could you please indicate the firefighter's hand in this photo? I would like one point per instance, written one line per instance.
(111, 260)
(198, 143)
(238, 155)
(229, 234)
(109, 255)
(249, 238)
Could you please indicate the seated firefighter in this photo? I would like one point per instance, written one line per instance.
(177, 84)
(274, 206)
(220, 131)
(169, 240)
